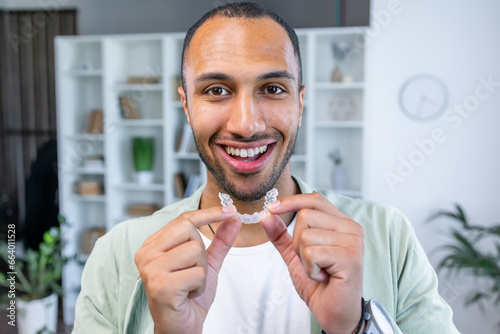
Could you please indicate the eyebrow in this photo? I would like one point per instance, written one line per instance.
(224, 77)
(276, 75)
(213, 76)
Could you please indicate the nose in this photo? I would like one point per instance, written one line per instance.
(246, 117)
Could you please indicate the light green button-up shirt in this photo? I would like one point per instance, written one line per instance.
(396, 272)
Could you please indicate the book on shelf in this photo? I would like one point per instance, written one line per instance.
(89, 188)
(95, 122)
(139, 210)
(129, 107)
(179, 185)
(90, 237)
(193, 184)
(185, 141)
(138, 80)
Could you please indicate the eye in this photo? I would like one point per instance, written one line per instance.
(273, 90)
(217, 91)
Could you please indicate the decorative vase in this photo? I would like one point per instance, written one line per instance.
(34, 315)
(144, 177)
(336, 74)
(338, 177)
(341, 51)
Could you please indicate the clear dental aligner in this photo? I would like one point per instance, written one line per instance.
(271, 196)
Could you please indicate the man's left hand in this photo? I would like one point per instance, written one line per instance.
(324, 258)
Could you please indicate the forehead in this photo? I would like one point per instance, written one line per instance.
(223, 43)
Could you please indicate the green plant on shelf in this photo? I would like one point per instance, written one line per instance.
(143, 153)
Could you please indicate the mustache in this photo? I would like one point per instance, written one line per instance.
(238, 138)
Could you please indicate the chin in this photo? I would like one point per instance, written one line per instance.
(248, 188)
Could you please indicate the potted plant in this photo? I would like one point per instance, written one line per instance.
(143, 156)
(35, 286)
(468, 252)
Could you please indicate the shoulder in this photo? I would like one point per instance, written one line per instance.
(389, 236)
(374, 217)
(382, 224)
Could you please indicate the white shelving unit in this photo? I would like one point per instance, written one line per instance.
(92, 73)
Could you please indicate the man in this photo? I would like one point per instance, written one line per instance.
(192, 268)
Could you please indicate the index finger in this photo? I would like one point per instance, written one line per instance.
(207, 216)
(182, 227)
(312, 201)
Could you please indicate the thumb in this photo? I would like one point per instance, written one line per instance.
(222, 242)
(278, 234)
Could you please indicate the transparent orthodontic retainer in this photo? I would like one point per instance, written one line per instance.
(271, 196)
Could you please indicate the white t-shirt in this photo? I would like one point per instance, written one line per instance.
(256, 295)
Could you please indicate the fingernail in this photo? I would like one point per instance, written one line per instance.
(229, 209)
(320, 276)
(274, 205)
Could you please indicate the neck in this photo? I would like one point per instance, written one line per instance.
(250, 234)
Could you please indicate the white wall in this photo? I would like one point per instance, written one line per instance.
(458, 41)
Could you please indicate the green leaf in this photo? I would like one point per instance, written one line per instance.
(38, 275)
(3, 278)
(463, 254)
(475, 297)
(143, 153)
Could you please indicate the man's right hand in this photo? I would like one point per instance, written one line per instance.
(179, 276)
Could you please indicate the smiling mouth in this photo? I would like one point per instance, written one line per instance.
(246, 159)
(246, 154)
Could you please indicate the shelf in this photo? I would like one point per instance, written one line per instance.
(139, 122)
(89, 198)
(186, 156)
(85, 170)
(139, 87)
(84, 73)
(86, 136)
(340, 85)
(143, 187)
(339, 124)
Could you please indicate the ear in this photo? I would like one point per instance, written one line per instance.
(302, 94)
(182, 93)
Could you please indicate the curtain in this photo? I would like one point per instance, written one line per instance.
(27, 98)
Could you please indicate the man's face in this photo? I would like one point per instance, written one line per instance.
(243, 102)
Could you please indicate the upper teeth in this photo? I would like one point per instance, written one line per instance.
(245, 152)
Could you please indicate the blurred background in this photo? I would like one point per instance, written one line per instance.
(430, 115)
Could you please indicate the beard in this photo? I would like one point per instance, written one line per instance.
(246, 195)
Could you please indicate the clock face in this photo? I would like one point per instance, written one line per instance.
(423, 97)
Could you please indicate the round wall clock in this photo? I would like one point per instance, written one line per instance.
(423, 97)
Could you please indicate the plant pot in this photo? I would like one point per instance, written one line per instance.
(144, 177)
(36, 314)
